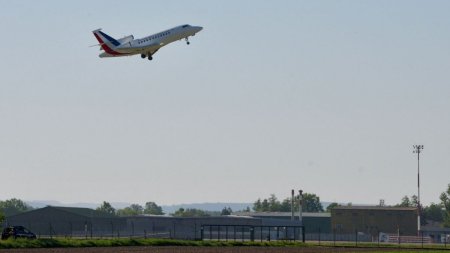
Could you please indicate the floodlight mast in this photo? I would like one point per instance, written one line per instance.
(417, 150)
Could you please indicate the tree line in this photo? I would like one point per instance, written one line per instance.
(311, 203)
(153, 209)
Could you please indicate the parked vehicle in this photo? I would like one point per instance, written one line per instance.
(17, 232)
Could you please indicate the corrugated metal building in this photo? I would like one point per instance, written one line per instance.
(68, 221)
(374, 219)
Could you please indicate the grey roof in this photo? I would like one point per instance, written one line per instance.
(384, 208)
(281, 214)
(86, 212)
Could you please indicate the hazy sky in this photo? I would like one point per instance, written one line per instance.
(324, 96)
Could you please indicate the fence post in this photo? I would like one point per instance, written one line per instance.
(201, 232)
(334, 236)
(195, 231)
(319, 236)
(421, 232)
(226, 233)
(445, 240)
(145, 233)
(174, 231)
(378, 231)
(356, 237)
(295, 232)
(303, 234)
(260, 234)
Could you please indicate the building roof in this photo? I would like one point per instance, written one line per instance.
(384, 208)
(281, 214)
(86, 212)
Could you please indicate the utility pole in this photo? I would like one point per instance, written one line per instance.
(292, 205)
(417, 150)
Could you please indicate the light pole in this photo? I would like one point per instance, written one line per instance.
(417, 150)
(300, 206)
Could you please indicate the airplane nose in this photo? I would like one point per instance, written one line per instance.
(199, 28)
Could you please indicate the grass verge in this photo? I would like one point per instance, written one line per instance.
(328, 247)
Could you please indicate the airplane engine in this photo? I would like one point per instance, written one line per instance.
(126, 39)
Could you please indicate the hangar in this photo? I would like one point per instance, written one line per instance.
(84, 222)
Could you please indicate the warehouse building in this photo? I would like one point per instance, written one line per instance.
(68, 221)
(372, 220)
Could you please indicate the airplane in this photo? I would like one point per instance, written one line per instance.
(146, 46)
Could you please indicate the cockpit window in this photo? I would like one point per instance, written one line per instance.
(185, 26)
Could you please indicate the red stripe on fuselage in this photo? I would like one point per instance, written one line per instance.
(106, 48)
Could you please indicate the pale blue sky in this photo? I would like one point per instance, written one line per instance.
(327, 96)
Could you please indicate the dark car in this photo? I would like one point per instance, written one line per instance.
(17, 232)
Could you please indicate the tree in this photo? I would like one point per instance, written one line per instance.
(434, 212)
(405, 202)
(445, 202)
(311, 203)
(2, 217)
(153, 208)
(265, 205)
(190, 212)
(137, 208)
(285, 206)
(257, 206)
(226, 211)
(14, 206)
(106, 207)
(331, 206)
(274, 204)
(134, 209)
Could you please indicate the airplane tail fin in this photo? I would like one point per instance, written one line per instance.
(105, 40)
(107, 43)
